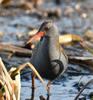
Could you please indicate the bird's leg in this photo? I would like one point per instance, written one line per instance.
(33, 80)
(33, 85)
(48, 87)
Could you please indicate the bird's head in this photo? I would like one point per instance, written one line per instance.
(47, 29)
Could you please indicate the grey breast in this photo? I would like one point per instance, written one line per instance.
(48, 61)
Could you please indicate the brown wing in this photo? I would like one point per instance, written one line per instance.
(62, 50)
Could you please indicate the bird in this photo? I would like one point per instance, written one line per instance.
(48, 56)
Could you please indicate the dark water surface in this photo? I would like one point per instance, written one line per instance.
(60, 89)
(64, 88)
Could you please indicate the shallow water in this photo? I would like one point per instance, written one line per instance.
(62, 88)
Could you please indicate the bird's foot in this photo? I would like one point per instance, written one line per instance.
(48, 88)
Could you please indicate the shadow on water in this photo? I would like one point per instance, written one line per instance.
(40, 97)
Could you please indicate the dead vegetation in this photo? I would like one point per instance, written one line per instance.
(9, 88)
(10, 83)
(72, 43)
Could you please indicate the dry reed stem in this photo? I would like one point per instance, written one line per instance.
(5, 71)
(69, 38)
(11, 87)
(34, 70)
(17, 84)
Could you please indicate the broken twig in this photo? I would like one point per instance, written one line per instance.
(91, 81)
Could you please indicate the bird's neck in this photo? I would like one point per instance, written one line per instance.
(53, 40)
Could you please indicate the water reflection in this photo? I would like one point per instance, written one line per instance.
(41, 96)
(32, 95)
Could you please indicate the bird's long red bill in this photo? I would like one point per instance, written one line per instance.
(36, 36)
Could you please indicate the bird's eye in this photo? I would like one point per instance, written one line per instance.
(46, 28)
